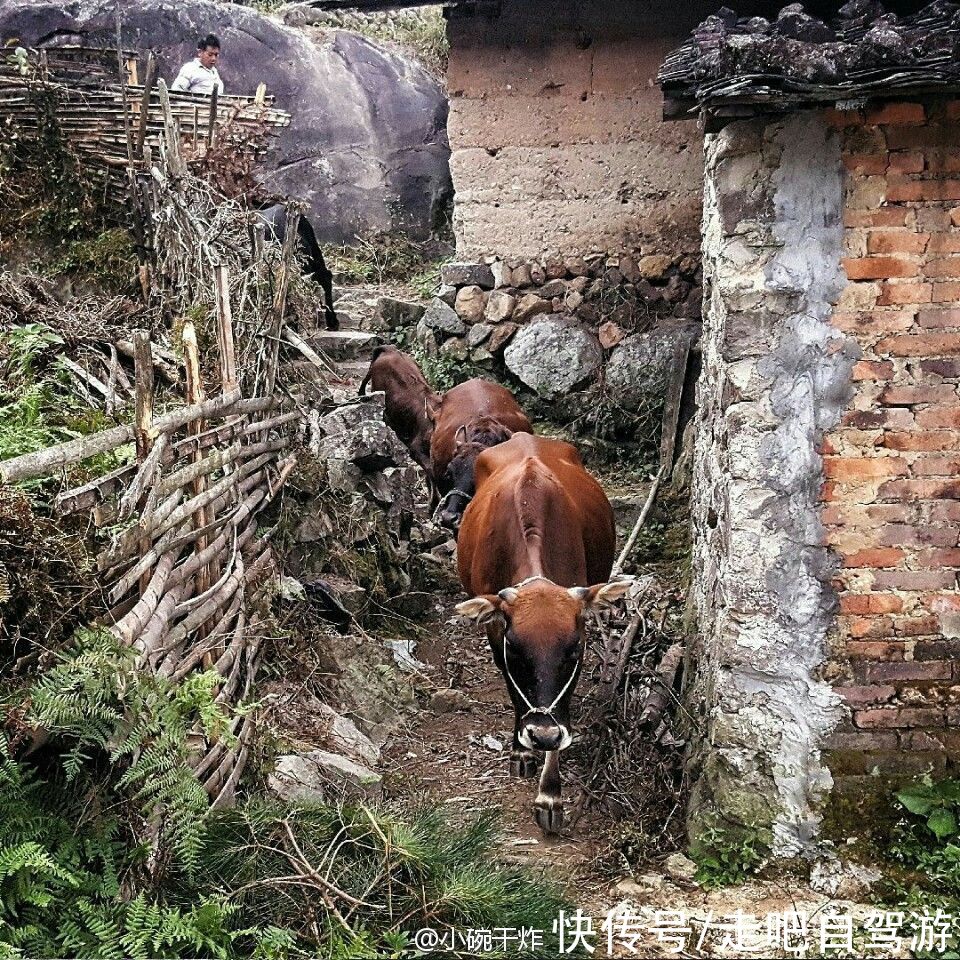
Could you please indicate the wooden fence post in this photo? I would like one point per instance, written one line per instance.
(228, 358)
(143, 394)
(191, 359)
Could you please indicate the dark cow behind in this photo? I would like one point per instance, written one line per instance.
(408, 400)
(538, 530)
(308, 249)
(473, 416)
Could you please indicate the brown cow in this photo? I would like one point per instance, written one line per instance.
(537, 530)
(472, 417)
(408, 400)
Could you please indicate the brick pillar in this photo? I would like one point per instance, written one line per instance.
(892, 500)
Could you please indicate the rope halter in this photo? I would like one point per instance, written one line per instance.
(547, 711)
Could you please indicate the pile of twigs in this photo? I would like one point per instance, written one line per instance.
(180, 555)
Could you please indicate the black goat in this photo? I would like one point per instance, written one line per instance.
(308, 249)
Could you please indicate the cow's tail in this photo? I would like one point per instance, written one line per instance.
(366, 377)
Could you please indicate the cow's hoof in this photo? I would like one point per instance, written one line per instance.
(523, 765)
(548, 814)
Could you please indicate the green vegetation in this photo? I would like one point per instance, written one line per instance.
(386, 257)
(727, 857)
(37, 410)
(108, 847)
(109, 257)
(420, 33)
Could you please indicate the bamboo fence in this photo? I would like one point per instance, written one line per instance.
(184, 563)
(111, 122)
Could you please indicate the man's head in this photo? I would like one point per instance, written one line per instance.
(208, 50)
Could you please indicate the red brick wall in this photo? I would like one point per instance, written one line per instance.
(892, 496)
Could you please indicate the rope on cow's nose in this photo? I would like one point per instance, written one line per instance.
(548, 711)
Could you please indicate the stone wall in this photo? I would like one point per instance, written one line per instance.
(892, 501)
(775, 378)
(558, 147)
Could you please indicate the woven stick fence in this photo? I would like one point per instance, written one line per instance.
(186, 568)
(112, 124)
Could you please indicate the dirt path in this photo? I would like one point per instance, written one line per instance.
(456, 752)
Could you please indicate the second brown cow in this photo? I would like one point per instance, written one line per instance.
(409, 401)
(472, 416)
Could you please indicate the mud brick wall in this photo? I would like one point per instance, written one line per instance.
(558, 148)
(892, 497)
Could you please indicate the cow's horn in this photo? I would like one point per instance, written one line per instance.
(456, 437)
(579, 593)
(509, 595)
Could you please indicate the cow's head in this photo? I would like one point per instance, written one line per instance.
(538, 639)
(470, 441)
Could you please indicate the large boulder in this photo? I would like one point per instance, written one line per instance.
(366, 148)
(639, 366)
(553, 355)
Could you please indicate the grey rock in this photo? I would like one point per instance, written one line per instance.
(482, 357)
(394, 313)
(479, 332)
(538, 276)
(426, 339)
(500, 307)
(447, 293)
(502, 274)
(350, 415)
(465, 274)
(343, 736)
(320, 775)
(372, 445)
(530, 305)
(639, 366)
(367, 135)
(439, 316)
(449, 700)
(679, 867)
(343, 476)
(470, 303)
(577, 267)
(344, 344)
(553, 356)
(455, 347)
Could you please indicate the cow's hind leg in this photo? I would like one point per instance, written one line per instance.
(548, 807)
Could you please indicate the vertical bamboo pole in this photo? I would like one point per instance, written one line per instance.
(260, 96)
(280, 297)
(143, 397)
(212, 121)
(148, 83)
(228, 358)
(191, 358)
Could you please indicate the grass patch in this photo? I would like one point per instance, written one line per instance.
(419, 33)
(386, 257)
(109, 256)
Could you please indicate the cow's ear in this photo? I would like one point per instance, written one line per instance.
(479, 609)
(431, 406)
(602, 594)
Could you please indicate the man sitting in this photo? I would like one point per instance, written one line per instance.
(200, 74)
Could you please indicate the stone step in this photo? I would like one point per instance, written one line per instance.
(344, 344)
